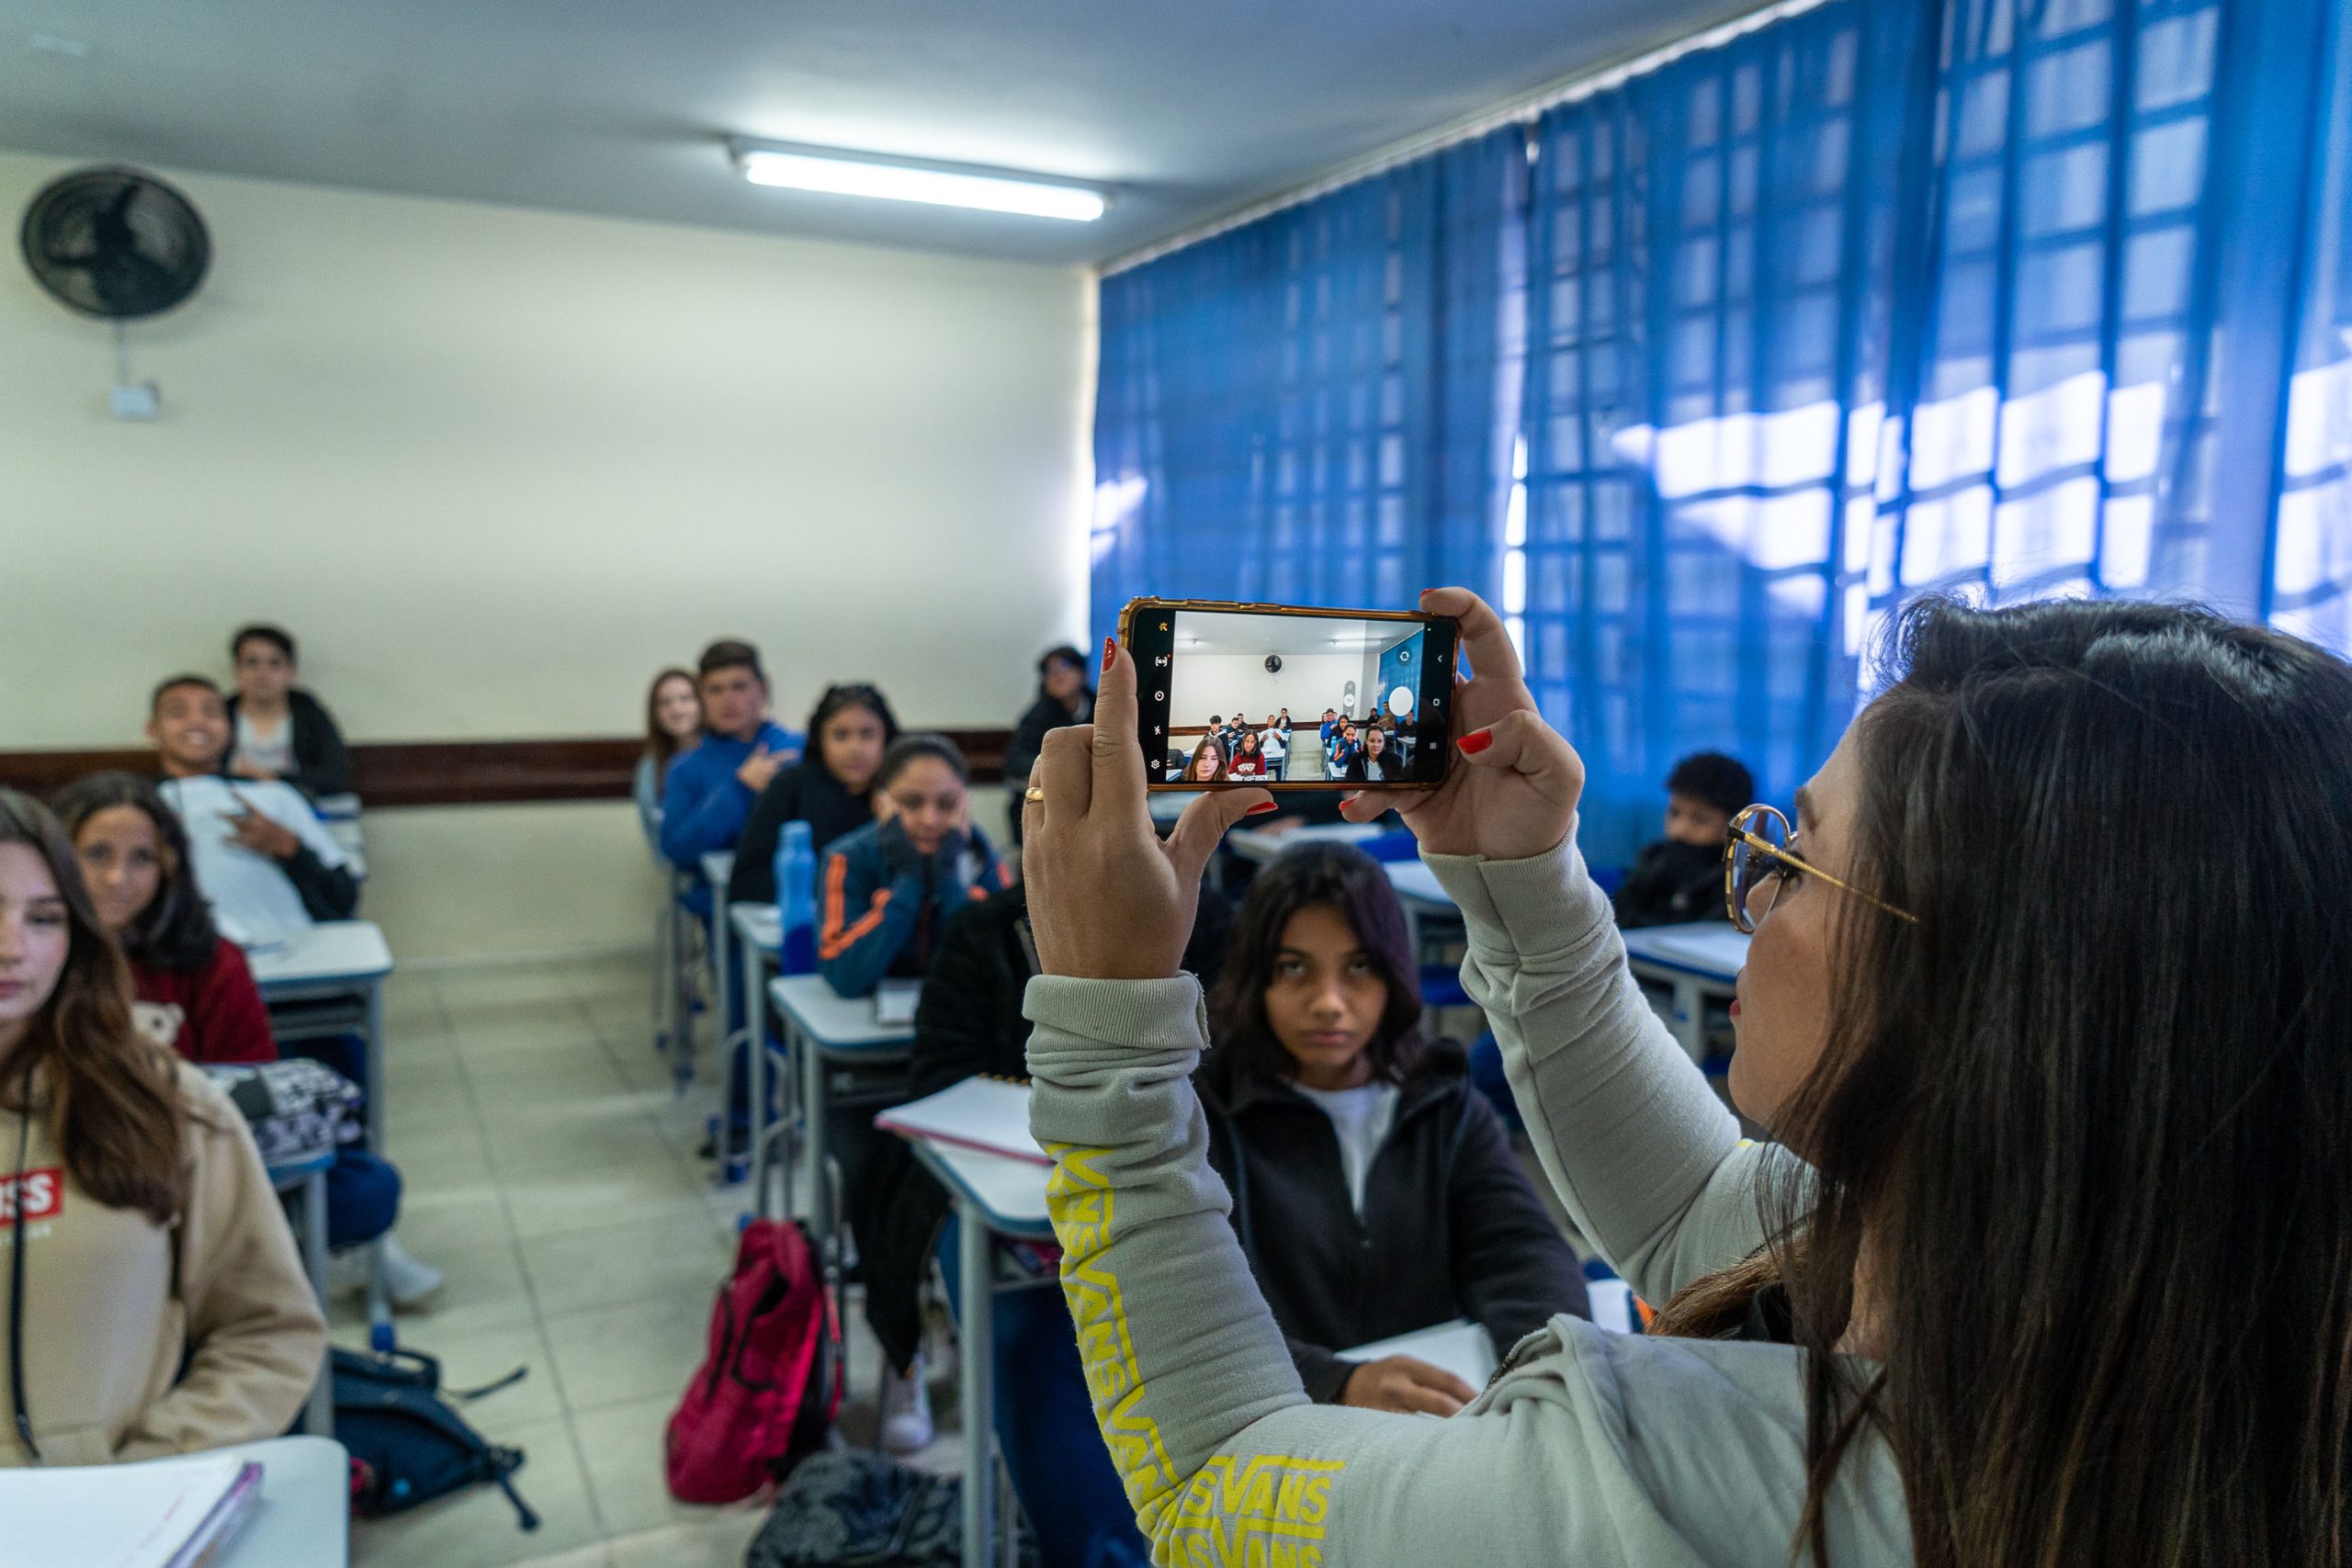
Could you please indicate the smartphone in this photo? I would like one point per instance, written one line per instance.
(1214, 680)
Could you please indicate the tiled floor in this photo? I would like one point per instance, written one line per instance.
(551, 1173)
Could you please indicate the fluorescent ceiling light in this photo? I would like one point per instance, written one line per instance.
(837, 172)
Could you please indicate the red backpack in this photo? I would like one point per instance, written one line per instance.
(770, 1385)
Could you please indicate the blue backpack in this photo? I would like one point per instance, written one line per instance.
(408, 1444)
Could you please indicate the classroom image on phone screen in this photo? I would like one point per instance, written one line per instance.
(1292, 699)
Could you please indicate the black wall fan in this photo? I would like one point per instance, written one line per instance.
(114, 243)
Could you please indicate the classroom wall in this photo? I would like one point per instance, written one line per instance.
(1308, 683)
(494, 466)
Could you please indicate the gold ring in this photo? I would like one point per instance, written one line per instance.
(1033, 796)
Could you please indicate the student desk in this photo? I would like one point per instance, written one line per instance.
(1165, 807)
(822, 1029)
(340, 816)
(342, 961)
(1698, 960)
(994, 1195)
(336, 961)
(1263, 844)
(718, 868)
(304, 1518)
(759, 935)
(1418, 891)
(308, 1180)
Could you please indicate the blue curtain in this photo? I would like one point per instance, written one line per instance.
(1309, 409)
(2000, 298)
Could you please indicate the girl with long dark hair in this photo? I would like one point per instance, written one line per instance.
(155, 1302)
(1207, 765)
(195, 994)
(830, 788)
(1373, 1189)
(2049, 1257)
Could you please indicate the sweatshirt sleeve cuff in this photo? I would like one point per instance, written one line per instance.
(1146, 1015)
(1541, 904)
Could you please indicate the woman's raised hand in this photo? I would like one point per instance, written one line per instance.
(1108, 900)
(1513, 787)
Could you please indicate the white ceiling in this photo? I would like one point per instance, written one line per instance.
(1190, 108)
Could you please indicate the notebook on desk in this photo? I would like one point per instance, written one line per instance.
(984, 1113)
(177, 1513)
(1462, 1347)
(894, 1002)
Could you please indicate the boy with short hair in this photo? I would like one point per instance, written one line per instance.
(710, 790)
(266, 864)
(1679, 877)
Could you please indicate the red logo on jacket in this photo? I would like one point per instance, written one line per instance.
(42, 1193)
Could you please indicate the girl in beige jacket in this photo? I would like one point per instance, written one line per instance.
(151, 1301)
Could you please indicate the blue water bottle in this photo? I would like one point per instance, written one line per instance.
(796, 897)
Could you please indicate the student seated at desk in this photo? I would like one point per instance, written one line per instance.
(832, 789)
(1377, 762)
(709, 795)
(195, 994)
(263, 860)
(1207, 764)
(885, 890)
(1063, 698)
(281, 731)
(1249, 758)
(164, 1308)
(1373, 1189)
(1346, 747)
(673, 728)
(1680, 877)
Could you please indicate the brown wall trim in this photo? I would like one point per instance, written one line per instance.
(459, 772)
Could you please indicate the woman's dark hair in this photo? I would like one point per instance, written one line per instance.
(1715, 780)
(1065, 653)
(838, 699)
(108, 1093)
(174, 931)
(1249, 744)
(1344, 878)
(2095, 1108)
(908, 749)
(660, 744)
(277, 637)
(1209, 744)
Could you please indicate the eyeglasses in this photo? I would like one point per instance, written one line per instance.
(1757, 855)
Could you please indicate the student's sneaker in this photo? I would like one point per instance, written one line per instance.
(410, 1284)
(906, 1412)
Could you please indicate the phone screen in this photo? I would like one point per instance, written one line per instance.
(1251, 695)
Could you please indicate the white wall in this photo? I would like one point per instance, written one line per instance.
(1309, 682)
(493, 466)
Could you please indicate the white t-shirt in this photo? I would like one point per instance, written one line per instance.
(1273, 742)
(272, 751)
(254, 901)
(1362, 1117)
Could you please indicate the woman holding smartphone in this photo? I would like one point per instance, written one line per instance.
(2044, 1014)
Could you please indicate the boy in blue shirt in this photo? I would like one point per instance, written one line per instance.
(710, 790)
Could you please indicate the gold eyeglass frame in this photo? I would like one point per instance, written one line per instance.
(1741, 835)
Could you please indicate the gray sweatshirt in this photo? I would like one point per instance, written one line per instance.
(1587, 1447)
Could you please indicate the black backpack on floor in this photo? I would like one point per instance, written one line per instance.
(410, 1446)
(851, 1508)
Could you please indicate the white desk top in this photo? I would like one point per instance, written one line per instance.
(1462, 1347)
(329, 952)
(1166, 807)
(762, 924)
(1265, 843)
(835, 1022)
(1708, 948)
(1009, 1194)
(717, 866)
(304, 1517)
(1416, 885)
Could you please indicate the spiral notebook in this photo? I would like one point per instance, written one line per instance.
(984, 1113)
(163, 1514)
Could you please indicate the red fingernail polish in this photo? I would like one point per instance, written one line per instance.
(1476, 741)
(1110, 653)
(1263, 807)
